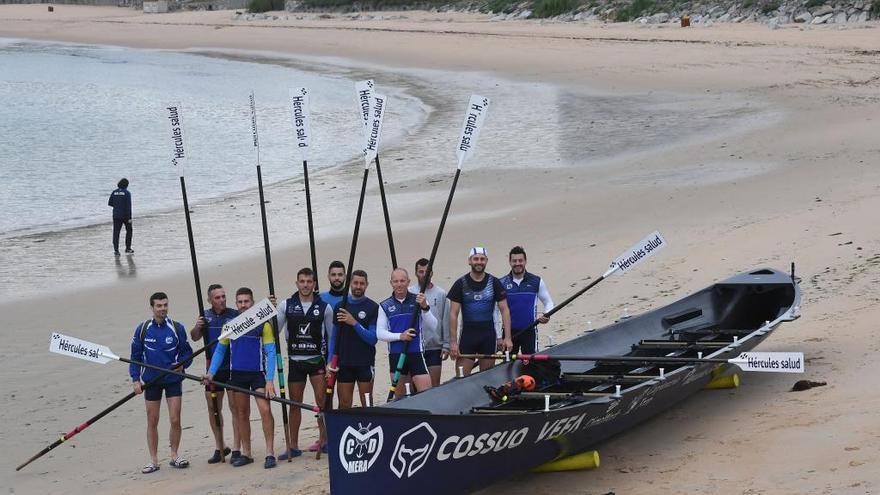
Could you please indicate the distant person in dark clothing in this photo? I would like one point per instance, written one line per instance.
(120, 200)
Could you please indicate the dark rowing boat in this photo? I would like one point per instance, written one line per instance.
(456, 439)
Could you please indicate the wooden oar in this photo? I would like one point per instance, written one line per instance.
(177, 161)
(474, 117)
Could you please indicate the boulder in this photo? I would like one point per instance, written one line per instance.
(821, 19)
(840, 18)
(822, 10)
(658, 18)
(524, 14)
(863, 17)
(773, 24)
(724, 18)
(803, 17)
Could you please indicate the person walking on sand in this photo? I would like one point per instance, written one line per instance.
(120, 200)
(160, 341)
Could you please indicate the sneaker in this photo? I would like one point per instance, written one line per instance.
(218, 457)
(314, 447)
(235, 455)
(270, 462)
(129, 251)
(116, 253)
(293, 453)
(242, 461)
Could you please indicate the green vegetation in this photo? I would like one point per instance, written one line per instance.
(550, 8)
(875, 7)
(635, 10)
(814, 3)
(258, 6)
(748, 3)
(769, 6)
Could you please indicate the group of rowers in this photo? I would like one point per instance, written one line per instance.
(495, 314)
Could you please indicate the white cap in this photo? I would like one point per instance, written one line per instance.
(478, 250)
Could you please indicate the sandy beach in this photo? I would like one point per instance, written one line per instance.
(799, 183)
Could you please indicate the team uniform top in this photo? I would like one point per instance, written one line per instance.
(522, 299)
(252, 352)
(478, 300)
(438, 338)
(395, 317)
(214, 323)
(160, 344)
(358, 347)
(332, 298)
(306, 327)
(120, 200)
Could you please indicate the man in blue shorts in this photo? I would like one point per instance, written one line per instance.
(393, 326)
(475, 296)
(306, 322)
(524, 290)
(435, 343)
(251, 366)
(214, 318)
(356, 330)
(160, 341)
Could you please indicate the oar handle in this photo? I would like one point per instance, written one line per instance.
(301, 405)
(633, 359)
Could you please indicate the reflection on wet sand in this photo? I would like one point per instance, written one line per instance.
(127, 269)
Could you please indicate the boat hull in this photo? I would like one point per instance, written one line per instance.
(431, 443)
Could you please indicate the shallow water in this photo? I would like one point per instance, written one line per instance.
(89, 115)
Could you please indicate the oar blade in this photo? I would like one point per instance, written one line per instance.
(373, 131)
(80, 349)
(638, 253)
(302, 127)
(258, 314)
(477, 108)
(770, 362)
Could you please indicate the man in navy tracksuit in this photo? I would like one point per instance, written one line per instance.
(393, 326)
(524, 289)
(120, 200)
(356, 330)
(160, 341)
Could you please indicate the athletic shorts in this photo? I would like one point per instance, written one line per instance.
(222, 376)
(251, 380)
(351, 374)
(526, 342)
(433, 358)
(154, 392)
(300, 371)
(477, 341)
(413, 365)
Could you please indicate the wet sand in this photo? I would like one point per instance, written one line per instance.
(802, 187)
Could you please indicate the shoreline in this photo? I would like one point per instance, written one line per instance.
(812, 202)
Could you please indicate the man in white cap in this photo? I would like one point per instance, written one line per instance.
(476, 295)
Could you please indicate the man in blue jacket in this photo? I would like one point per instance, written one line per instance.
(160, 341)
(355, 329)
(120, 200)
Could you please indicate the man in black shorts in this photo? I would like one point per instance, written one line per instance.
(355, 328)
(305, 321)
(475, 295)
(215, 317)
(393, 326)
(435, 343)
(160, 341)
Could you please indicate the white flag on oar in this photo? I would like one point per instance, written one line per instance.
(641, 251)
(374, 127)
(258, 314)
(178, 151)
(299, 110)
(81, 349)
(777, 362)
(364, 91)
(470, 129)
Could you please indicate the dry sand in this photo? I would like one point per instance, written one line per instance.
(803, 189)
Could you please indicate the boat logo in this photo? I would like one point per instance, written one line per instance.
(316, 312)
(359, 448)
(413, 450)
(362, 314)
